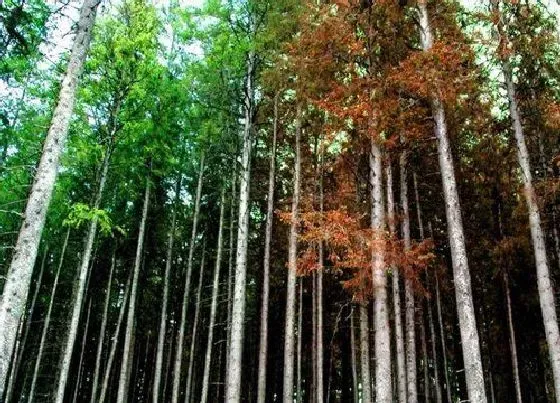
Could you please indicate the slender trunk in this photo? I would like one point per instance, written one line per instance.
(263, 343)
(313, 392)
(83, 276)
(128, 348)
(512, 342)
(383, 388)
(544, 283)
(355, 391)
(233, 376)
(292, 263)
(18, 279)
(299, 398)
(81, 360)
(186, 291)
(434, 354)
(319, 296)
(168, 363)
(47, 320)
(195, 327)
(364, 355)
(102, 329)
(443, 343)
(399, 341)
(424, 357)
(230, 264)
(463, 293)
(165, 296)
(114, 344)
(213, 306)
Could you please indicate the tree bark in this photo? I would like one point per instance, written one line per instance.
(512, 342)
(18, 279)
(165, 296)
(263, 343)
(82, 349)
(122, 395)
(194, 332)
(83, 276)
(463, 292)
(364, 355)
(424, 357)
(233, 377)
(186, 291)
(230, 263)
(292, 267)
(213, 306)
(443, 344)
(355, 391)
(299, 398)
(319, 296)
(399, 341)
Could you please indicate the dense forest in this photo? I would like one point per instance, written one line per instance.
(279, 200)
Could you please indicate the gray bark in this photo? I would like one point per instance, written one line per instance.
(463, 293)
(319, 296)
(81, 360)
(292, 263)
(434, 354)
(18, 279)
(186, 290)
(165, 297)
(443, 344)
(128, 348)
(355, 391)
(365, 356)
(263, 343)
(424, 358)
(230, 263)
(512, 342)
(213, 306)
(299, 396)
(47, 321)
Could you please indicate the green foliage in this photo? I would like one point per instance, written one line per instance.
(81, 213)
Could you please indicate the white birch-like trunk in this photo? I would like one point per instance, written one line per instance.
(233, 376)
(365, 356)
(230, 262)
(186, 290)
(399, 340)
(18, 279)
(463, 293)
(353, 358)
(128, 348)
(83, 276)
(383, 389)
(512, 342)
(263, 343)
(81, 360)
(114, 344)
(291, 280)
(410, 323)
(213, 306)
(47, 322)
(165, 297)
(188, 387)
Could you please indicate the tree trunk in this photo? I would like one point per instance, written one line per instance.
(463, 293)
(195, 327)
(408, 290)
(384, 392)
(263, 343)
(165, 296)
(213, 306)
(230, 263)
(186, 291)
(399, 341)
(512, 342)
(16, 287)
(233, 377)
(434, 354)
(443, 344)
(114, 344)
(47, 320)
(83, 276)
(364, 355)
(292, 267)
(319, 296)
(355, 391)
(102, 329)
(424, 357)
(80, 362)
(128, 348)
(299, 398)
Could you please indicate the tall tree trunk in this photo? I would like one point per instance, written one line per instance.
(81, 360)
(408, 290)
(443, 343)
(292, 267)
(319, 296)
(399, 341)
(165, 296)
(463, 293)
(114, 344)
(233, 377)
(512, 342)
(47, 320)
(424, 356)
(24, 331)
(102, 330)
(214, 305)
(299, 398)
(384, 392)
(186, 290)
(364, 355)
(263, 343)
(355, 391)
(230, 262)
(18, 279)
(194, 332)
(434, 354)
(128, 348)
(83, 276)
